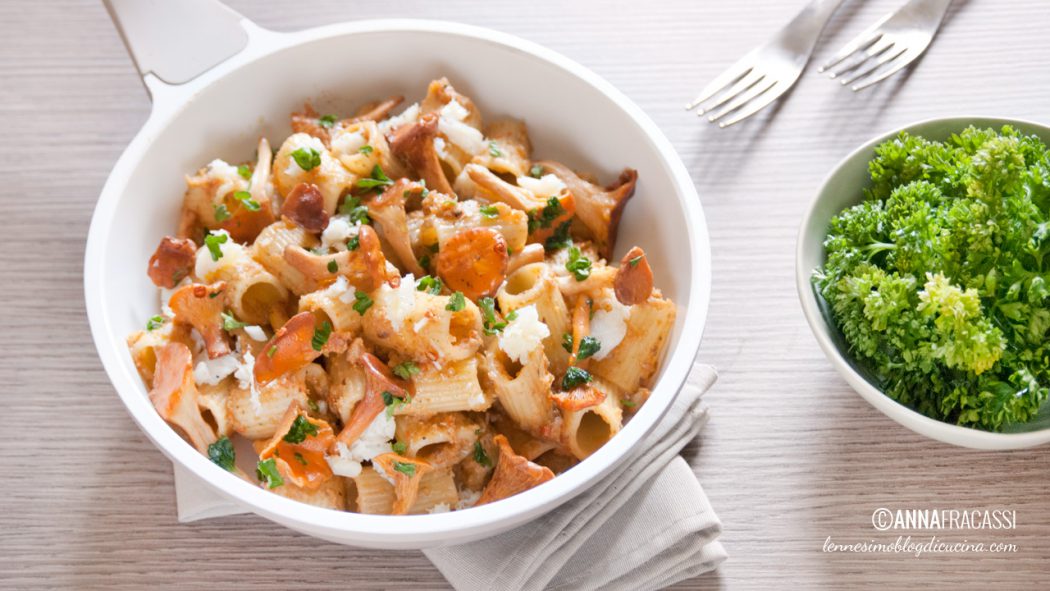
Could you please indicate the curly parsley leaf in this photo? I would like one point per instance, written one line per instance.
(267, 473)
(222, 454)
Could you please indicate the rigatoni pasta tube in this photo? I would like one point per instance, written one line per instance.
(587, 429)
(632, 364)
(535, 284)
(375, 495)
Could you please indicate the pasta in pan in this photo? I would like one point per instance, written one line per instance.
(400, 313)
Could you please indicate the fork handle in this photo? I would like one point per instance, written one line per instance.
(803, 32)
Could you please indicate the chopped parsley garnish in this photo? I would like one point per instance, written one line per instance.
(405, 370)
(154, 322)
(393, 403)
(566, 342)
(326, 121)
(588, 346)
(245, 171)
(246, 200)
(575, 376)
(494, 150)
(480, 456)
(266, 471)
(354, 243)
(221, 453)
(543, 218)
(362, 303)
(634, 262)
(536, 171)
(307, 158)
(365, 149)
(212, 241)
(405, 468)
(578, 265)
(321, 335)
(490, 211)
(352, 207)
(560, 238)
(399, 447)
(221, 213)
(434, 248)
(456, 302)
(425, 261)
(431, 285)
(314, 407)
(628, 403)
(231, 323)
(301, 427)
(512, 316)
(333, 266)
(488, 314)
(299, 457)
(377, 181)
(271, 351)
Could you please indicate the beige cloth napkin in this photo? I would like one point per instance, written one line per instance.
(647, 525)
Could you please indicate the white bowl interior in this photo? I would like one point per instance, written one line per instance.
(570, 119)
(844, 188)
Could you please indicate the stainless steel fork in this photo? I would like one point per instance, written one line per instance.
(889, 45)
(766, 72)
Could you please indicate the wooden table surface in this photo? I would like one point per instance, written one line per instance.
(791, 455)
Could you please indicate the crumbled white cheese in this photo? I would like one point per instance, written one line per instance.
(341, 290)
(245, 375)
(609, 325)
(439, 508)
(546, 186)
(338, 232)
(409, 115)
(376, 438)
(256, 333)
(454, 110)
(348, 142)
(399, 302)
(467, 499)
(198, 342)
(213, 371)
(205, 267)
(523, 334)
(341, 464)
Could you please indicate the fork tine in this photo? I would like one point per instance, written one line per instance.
(897, 67)
(888, 57)
(771, 94)
(883, 45)
(742, 85)
(732, 74)
(866, 38)
(741, 100)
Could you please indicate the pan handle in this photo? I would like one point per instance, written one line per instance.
(176, 41)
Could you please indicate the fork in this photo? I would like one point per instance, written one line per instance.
(767, 71)
(897, 40)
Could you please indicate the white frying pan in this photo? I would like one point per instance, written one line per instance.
(218, 82)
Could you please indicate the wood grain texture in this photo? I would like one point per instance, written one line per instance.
(791, 455)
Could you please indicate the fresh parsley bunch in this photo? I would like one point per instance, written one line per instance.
(938, 280)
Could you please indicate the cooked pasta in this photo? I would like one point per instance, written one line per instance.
(401, 311)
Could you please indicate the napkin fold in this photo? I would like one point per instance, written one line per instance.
(646, 525)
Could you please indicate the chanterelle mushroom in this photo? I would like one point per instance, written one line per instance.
(388, 212)
(305, 206)
(380, 383)
(291, 348)
(172, 261)
(634, 278)
(598, 209)
(174, 395)
(473, 261)
(414, 144)
(298, 448)
(201, 306)
(513, 474)
(364, 267)
(405, 474)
